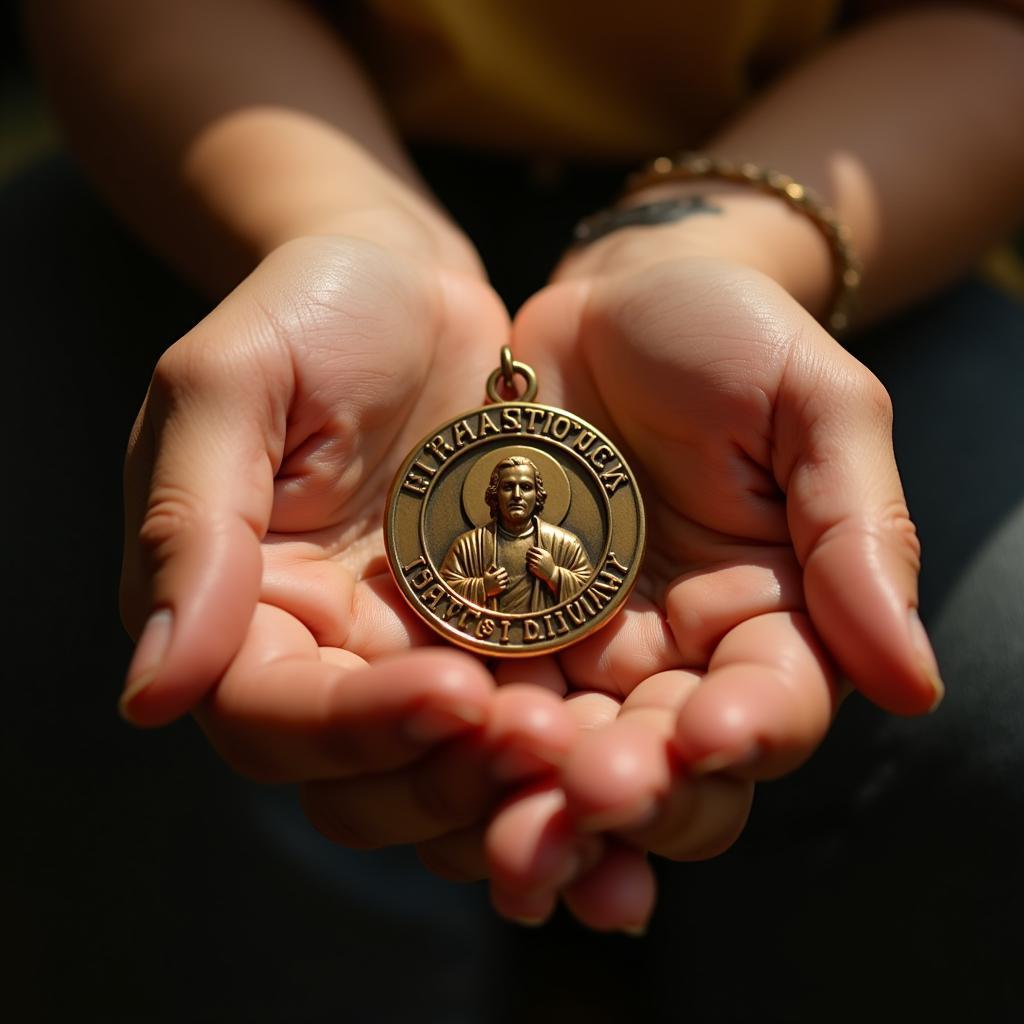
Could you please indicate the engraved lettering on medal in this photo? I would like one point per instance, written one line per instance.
(611, 479)
(561, 428)
(511, 419)
(417, 480)
(474, 612)
(611, 560)
(584, 440)
(487, 425)
(439, 448)
(532, 415)
(421, 579)
(460, 432)
(415, 484)
(575, 612)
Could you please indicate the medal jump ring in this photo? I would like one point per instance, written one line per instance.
(506, 372)
(508, 369)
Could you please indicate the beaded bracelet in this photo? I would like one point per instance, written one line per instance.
(700, 167)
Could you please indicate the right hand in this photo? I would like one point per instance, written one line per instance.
(496, 581)
(254, 565)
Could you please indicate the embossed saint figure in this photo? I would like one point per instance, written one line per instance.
(516, 562)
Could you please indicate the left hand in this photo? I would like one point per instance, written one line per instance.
(540, 563)
(775, 515)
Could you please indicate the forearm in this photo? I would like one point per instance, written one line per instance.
(909, 129)
(222, 128)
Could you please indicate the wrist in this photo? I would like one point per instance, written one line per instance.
(428, 240)
(268, 177)
(731, 223)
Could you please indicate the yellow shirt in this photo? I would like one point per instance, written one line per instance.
(604, 78)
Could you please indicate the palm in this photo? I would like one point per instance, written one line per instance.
(714, 657)
(257, 478)
(377, 367)
(689, 387)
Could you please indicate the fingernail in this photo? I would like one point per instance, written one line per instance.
(722, 760)
(630, 817)
(512, 765)
(530, 922)
(434, 724)
(929, 663)
(149, 653)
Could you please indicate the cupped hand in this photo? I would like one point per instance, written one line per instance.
(775, 518)
(254, 565)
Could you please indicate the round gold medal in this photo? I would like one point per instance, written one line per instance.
(515, 529)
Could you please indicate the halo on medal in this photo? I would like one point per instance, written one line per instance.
(556, 483)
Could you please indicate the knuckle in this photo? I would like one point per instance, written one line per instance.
(324, 805)
(437, 800)
(899, 527)
(171, 511)
(188, 365)
(251, 763)
(242, 751)
(873, 396)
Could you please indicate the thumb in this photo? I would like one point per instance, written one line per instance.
(851, 528)
(199, 490)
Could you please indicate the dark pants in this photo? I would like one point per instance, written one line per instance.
(148, 884)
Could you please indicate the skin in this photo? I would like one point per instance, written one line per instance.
(253, 574)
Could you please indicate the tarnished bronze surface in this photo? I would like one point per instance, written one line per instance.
(515, 529)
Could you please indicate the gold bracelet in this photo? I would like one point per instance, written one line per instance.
(699, 167)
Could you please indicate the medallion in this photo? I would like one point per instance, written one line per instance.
(515, 529)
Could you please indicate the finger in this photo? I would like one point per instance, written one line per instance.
(703, 605)
(591, 709)
(625, 779)
(317, 591)
(616, 777)
(382, 622)
(765, 704)
(697, 820)
(533, 851)
(851, 528)
(617, 895)
(199, 489)
(636, 644)
(286, 712)
(530, 909)
(527, 733)
(457, 856)
(543, 672)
